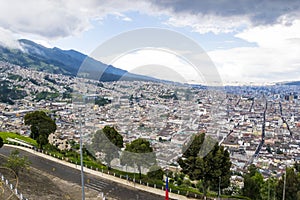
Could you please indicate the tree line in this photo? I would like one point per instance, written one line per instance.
(288, 184)
(212, 169)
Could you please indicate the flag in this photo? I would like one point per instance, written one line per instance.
(167, 189)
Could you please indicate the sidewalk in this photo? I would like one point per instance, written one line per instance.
(103, 175)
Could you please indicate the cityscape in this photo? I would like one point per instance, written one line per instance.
(150, 100)
(257, 125)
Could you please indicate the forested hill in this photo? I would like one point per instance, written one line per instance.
(58, 61)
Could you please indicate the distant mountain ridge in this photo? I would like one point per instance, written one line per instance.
(66, 62)
(296, 83)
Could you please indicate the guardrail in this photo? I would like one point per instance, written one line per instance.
(13, 189)
(185, 193)
(21, 142)
(188, 194)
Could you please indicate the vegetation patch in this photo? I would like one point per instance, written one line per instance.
(5, 135)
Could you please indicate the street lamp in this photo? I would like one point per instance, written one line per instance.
(81, 163)
(81, 155)
(284, 183)
(219, 193)
(134, 172)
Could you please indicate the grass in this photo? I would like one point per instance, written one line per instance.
(73, 156)
(28, 140)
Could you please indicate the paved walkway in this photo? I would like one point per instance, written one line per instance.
(103, 175)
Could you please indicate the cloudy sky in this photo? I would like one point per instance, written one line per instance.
(249, 41)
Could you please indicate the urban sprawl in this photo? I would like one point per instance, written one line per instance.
(258, 125)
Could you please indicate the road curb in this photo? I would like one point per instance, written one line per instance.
(103, 175)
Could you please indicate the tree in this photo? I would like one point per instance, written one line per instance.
(212, 169)
(139, 153)
(268, 148)
(178, 178)
(113, 136)
(297, 166)
(1, 142)
(109, 142)
(41, 126)
(292, 186)
(253, 182)
(16, 162)
(268, 189)
(192, 149)
(155, 172)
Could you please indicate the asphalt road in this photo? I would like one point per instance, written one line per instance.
(109, 188)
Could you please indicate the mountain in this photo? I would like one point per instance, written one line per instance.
(295, 83)
(66, 62)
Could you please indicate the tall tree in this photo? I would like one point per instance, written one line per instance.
(113, 136)
(155, 172)
(41, 126)
(139, 153)
(193, 147)
(297, 166)
(1, 142)
(16, 162)
(109, 142)
(292, 186)
(212, 169)
(253, 181)
(268, 189)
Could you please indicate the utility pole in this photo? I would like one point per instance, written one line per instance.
(269, 189)
(219, 193)
(134, 173)
(81, 157)
(283, 195)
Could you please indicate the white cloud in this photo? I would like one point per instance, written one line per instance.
(121, 16)
(272, 36)
(46, 18)
(7, 39)
(57, 19)
(158, 63)
(274, 59)
(208, 23)
(50, 20)
(128, 19)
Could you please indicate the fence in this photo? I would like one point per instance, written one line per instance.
(116, 174)
(12, 188)
(177, 191)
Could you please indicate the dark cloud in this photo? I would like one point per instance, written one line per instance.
(258, 11)
(57, 19)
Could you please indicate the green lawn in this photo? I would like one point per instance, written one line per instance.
(6, 135)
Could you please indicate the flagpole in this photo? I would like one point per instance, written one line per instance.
(167, 187)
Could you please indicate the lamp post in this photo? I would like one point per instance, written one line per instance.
(134, 172)
(284, 183)
(219, 193)
(81, 161)
(81, 154)
(269, 188)
(1, 125)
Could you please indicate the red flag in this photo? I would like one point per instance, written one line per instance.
(167, 189)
